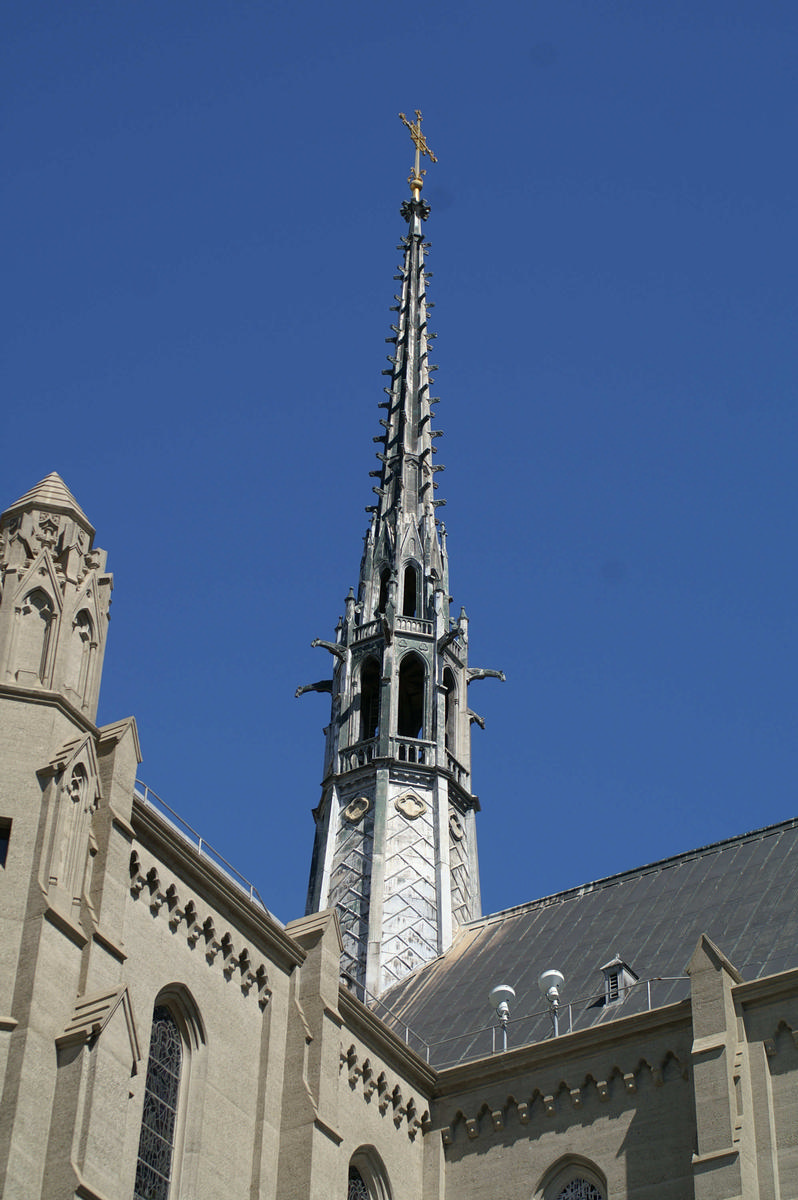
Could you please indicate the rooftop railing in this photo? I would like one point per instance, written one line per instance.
(203, 847)
(526, 1030)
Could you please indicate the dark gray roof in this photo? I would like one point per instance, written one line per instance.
(742, 892)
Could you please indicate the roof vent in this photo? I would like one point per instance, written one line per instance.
(619, 978)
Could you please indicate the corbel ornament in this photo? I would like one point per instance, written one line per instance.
(491, 1119)
(183, 912)
(390, 1097)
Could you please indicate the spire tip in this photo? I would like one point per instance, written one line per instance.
(416, 176)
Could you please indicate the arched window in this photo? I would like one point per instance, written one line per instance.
(35, 627)
(80, 655)
(357, 1186)
(367, 1177)
(385, 579)
(410, 716)
(173, 1098)
(410, 591)
(572, 1178)
(580, 1189)
(450, 700)
(159, 1120)
(369, 699)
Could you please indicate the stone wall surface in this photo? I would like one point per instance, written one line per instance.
(288, 1079)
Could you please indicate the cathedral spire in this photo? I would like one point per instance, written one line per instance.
(395, 848)
(406, 472)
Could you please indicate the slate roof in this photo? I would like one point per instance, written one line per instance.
(52, 492)
(742, 892)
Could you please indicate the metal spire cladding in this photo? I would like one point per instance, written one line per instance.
(395, 850)
(407, 485)
(406, 472)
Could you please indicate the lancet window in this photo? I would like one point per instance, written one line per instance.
(367, 1178)
(83, 636)
(573, 1178)
(357, 1187)
(36, 623)
(450, 701)
(410, 591)
(385, 579)
(369, 699)
(412, 680)
(159, 1121)
(580, 1189)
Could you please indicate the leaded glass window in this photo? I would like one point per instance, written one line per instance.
(156, 1145)
(580, 1189)
(357, 1188)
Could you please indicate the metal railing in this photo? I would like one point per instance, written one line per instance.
(538, 1026)
(203, 848)
(394, 1021)
(523, 1031)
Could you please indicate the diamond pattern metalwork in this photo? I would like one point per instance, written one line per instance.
(350, 890)
(461, 890)
(410, 913)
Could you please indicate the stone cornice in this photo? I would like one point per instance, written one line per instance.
(767, 989)
(52, 700)
(482, 1072)
(425, 771)
(155, 833)
(363, 1023)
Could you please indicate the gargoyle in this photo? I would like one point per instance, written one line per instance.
(475, 718)
(334, 648)
(449, 637)
(484, 673)
(321, 685)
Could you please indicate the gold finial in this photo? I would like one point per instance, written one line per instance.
(415, 177)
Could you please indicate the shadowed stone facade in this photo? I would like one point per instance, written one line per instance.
(162, 1035)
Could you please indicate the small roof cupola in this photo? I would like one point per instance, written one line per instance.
(619, 978)
(395, 847)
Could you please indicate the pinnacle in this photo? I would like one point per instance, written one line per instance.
(52, 492)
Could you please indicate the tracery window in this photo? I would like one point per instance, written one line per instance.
(580, 1189)
(161, 1091)
(367, 1177)
(357, 1187)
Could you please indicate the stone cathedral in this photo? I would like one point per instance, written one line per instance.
(164, 1037)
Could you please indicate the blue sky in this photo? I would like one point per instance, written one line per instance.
(201, 207)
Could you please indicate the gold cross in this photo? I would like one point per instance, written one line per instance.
(415, 176)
